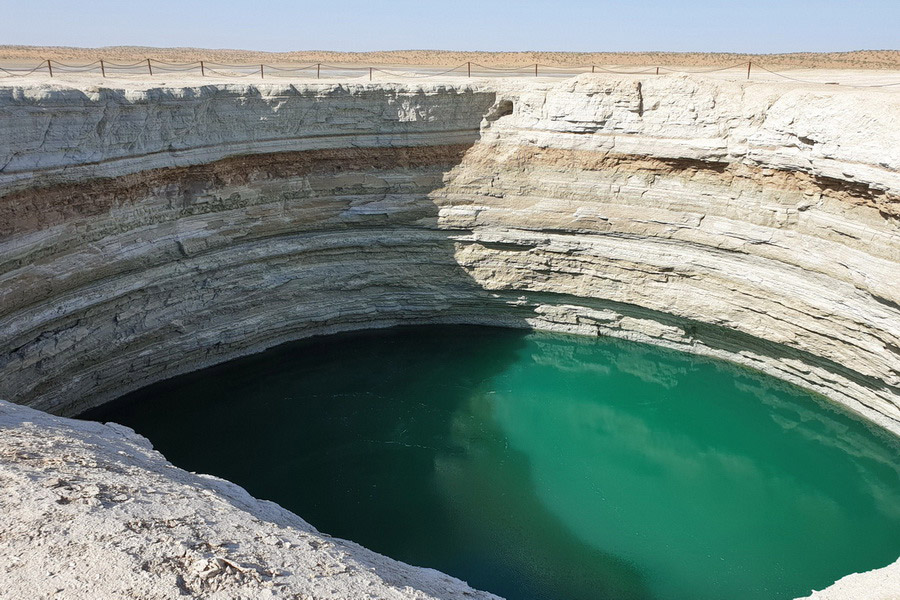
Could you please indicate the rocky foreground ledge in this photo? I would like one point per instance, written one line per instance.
(92, 511)
(148, 230)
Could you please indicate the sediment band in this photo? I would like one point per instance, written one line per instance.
(726, 219)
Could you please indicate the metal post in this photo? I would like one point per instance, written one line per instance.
(102, 68)
(149, 68)
(592, 68)
(748, 68)
(469, 68)
(535, 69)
(262, 73)
(49, 68)
(370, 73)
(318, 70)
(657, 70)
(202, 70)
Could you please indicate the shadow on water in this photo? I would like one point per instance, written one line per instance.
(382, 437)
(536, 465)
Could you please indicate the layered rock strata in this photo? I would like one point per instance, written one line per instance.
(146, 232)
(150, 231)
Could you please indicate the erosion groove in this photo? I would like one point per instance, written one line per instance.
(153, 231)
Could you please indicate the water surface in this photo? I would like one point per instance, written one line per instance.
(542, 466)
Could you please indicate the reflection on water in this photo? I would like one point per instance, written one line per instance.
(544, 466)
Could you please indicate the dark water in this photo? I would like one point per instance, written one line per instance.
(544, 466)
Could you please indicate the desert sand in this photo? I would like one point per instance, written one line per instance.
(862, 59)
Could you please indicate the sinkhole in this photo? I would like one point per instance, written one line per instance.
(537, 465)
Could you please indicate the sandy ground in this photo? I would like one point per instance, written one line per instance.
(863, 59)
(877, 69)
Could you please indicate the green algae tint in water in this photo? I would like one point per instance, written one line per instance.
(544, 466)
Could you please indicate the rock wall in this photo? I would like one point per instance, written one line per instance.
(755, 223)
(92, 511)
(146, 232)
(150, 231)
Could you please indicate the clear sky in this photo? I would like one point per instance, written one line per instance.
(761, 26)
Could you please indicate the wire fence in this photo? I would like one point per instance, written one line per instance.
(151, 67)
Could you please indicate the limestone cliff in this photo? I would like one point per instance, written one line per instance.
(145, 232)
(155, 230)
(92, 511)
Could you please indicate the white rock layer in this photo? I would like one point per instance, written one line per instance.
(92, 511)
(151, 231)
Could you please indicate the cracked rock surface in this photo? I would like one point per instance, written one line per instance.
(92, 511)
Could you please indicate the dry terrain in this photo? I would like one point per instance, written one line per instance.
(862, 59)
(154, 225)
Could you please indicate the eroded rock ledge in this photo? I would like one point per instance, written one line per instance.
(92, 511)
(147, 232)
(152, 231)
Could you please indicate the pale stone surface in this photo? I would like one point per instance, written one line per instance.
(878, 584)
(729, 219)
(61, 133)
(145, 231)
(92, 511)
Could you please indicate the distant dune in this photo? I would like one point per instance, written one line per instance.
(862, 59)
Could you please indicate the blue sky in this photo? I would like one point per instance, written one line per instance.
(762, 26)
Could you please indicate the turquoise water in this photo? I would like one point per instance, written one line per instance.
(536, 465)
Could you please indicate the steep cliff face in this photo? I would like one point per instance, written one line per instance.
(152, 231)
(753, 223)
(92, 511)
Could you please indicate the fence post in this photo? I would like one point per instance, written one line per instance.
(657, 70)
(149, 68)
(102, 68)
(318, 70)
(535, 69)
(370, 73)
(262, 73)
(469, 68)
(202, 70)
(592, 68)
(49, 68)
(748, 68)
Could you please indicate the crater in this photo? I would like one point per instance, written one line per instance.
(290, 212)
(538, 465)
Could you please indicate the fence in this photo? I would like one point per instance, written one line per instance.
(150, 66)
